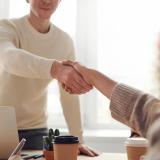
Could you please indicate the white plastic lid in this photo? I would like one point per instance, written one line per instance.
(136, 142)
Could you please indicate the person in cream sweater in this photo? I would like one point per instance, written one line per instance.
(31, 51)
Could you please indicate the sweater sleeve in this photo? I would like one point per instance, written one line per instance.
(134, 108)
(71, 111)
(71, 106)
(18, 61)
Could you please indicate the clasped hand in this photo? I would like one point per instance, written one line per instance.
(70, 78)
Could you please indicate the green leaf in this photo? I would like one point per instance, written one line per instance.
(51, 133)
(56, 132)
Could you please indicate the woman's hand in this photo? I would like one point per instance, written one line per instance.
(70, 78)
(83, 71)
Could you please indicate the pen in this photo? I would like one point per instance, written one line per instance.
(33, 156)
(18, 147)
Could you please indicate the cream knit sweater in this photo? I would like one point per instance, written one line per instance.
(26, 57)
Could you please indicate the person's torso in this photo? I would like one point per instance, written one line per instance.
(29, 96)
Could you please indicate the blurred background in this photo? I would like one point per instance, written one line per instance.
(117, 37)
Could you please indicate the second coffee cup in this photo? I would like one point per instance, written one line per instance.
(66, 148)
(136, 148)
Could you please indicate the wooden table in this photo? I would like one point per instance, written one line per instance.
(103, 156)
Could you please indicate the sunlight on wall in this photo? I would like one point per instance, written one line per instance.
(127, 34)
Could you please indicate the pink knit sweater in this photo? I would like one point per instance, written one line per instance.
(138, 110)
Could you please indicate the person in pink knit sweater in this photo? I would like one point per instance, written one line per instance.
(138, 110)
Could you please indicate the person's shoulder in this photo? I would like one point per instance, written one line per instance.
(9, 23)
(6, 22)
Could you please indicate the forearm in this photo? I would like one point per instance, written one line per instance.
(103, 83)
(22, 63)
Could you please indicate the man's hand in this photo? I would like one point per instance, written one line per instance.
(72, 81)
(82, 70)
(85, 150)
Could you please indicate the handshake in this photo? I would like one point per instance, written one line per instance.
(74, 77)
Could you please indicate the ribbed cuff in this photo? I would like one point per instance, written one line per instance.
(122, 101)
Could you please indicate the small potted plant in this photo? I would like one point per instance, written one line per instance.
(48, 144)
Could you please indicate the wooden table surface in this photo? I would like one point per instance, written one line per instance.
(103, 156)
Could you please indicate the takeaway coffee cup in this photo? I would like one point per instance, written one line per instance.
(65, 148)
(136, 148)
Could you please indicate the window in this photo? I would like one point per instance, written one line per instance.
(127, 31)
(115, 36)
(4, 9)
(119, 39)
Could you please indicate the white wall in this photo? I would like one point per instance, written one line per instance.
(106, 140)
(4, 9)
